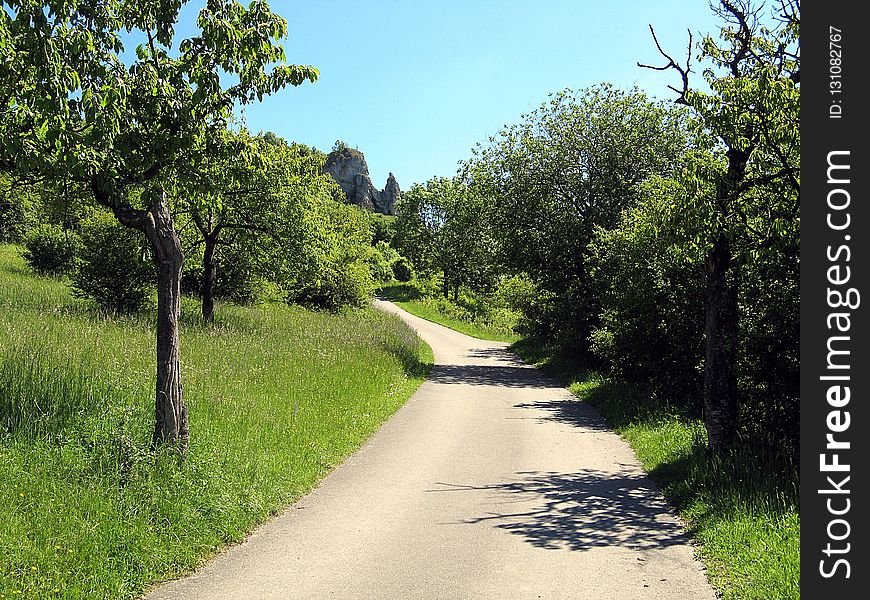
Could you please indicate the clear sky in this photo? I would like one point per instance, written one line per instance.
(414, 84)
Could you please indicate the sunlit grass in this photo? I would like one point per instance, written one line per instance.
(277, 395)
(427, 309)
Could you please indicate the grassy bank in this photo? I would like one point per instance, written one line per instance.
(403, 295)
(277, 397)
(743, 510)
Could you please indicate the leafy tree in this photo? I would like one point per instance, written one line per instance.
(251, 194)
(72, 107)
(440, 227)
(332, 270)
(650, 287)
(569, 166)
(744, 193)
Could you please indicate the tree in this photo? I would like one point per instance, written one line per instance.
(569, 166)
(72, 107)
(746, 194)
(252, 193)
(440, 228)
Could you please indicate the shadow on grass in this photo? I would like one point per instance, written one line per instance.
(577, 511)
(398, 292)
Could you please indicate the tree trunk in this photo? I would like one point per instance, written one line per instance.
(209, 273)
(171, 426)
(720, 366)
(446, 287)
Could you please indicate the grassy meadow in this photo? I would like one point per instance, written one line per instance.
(426, 308)
(744, 510)
(277, 397)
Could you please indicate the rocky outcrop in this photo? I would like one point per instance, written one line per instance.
(349, 169)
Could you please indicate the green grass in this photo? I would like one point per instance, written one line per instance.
(277, 395)
(743, 510)
(402, 295)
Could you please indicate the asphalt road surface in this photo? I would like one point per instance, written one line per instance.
(491, 482)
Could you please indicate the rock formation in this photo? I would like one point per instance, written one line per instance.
(349, 169)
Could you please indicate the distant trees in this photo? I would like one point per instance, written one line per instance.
(72, 107)
(441, 228)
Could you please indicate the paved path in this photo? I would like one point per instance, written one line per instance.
(491, 482)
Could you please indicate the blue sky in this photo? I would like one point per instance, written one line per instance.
(415, 84)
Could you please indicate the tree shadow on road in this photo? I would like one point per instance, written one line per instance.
(568, 410)
(578, 511)
(494, 375)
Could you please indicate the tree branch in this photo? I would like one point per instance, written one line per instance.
(672, 64)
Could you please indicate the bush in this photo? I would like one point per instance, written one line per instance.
(16, 214)
(50, 250)
(379, 262)
(336, 287)
(402, 270)
(113, 268)
(652, 304)
(238, 276)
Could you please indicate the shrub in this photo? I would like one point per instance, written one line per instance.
(50, 250)
(238, 275)
(338, 286)
(114, 268)
(16, 214)
(652, 303)
(402, 270)
(379, 265)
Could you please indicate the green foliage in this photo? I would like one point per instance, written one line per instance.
(332, 269)
(402, 269)
(383, 228)
(440, 228)
(17, 208)
(239, 277)
(113, 268)
(381, 258)
(741, 207)
(271, 216)
(337, 286)
(50, 249)
(569, 166)
(651, 296)
(651, 279)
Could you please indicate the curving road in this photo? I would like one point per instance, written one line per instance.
(491, 482)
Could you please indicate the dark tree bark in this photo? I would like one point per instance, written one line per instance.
(209, 275)
(721, 326)
(171, 424)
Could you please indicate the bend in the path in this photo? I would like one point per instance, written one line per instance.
(491, 482)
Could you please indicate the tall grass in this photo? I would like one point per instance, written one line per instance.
(743, 509)
(277, 397)
(487, 323)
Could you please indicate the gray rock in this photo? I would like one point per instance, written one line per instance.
(349, 169)
(389, 197)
